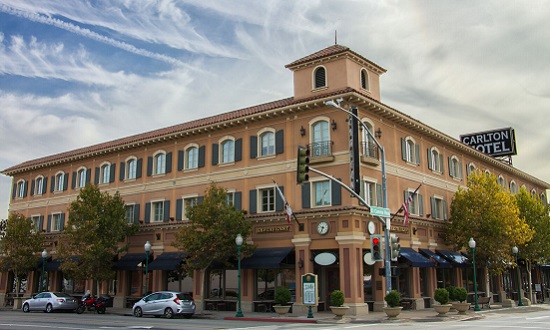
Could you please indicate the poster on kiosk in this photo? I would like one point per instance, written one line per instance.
(309, 289)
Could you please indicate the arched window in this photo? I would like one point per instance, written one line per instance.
(320, 139)
(365, 79)
(131, 168)
(455, 167)
(435, 160)
(228, 151)
(267, 144)
(369, 146)
(159, 166)
(501, 181)
(319, 77)
(81, 177)
(191, 158)
(39, 185)
(410, 151)
(21, 184)
(59, 181)
(513, 187)
(105, 173)
(470, 168)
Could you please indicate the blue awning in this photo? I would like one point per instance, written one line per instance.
(439, 260)
(131, 261)
(415, 259)
(168, 261)
(457, 259)
(266, 258)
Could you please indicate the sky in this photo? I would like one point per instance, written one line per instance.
(75, 73)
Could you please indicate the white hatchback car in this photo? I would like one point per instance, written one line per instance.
(50, 301)
(167, 303)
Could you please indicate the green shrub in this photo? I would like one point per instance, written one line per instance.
(282, 296)
(441, 296)
(452, 293)
(393, 298)
(337, 298)
(461, 294)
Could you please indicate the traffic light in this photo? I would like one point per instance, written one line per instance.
(376, 247)
(395, 247)
(302, 166)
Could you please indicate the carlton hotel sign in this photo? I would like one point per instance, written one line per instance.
(501, 142)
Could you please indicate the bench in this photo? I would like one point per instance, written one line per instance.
(482, 301)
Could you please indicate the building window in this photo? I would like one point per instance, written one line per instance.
(267, 199)
(533, 193)
(455, 167)
(158, 211)
(188, 203)
(370, 149)
(130, 213)
(321, 193)
(410, 151)
(364, 79)
(81, 178)
(192, 158)
(59, 181)
(267, 144)
(319, 77)
(21, 189)
(435, 160)
(56, 222)
(228, 151)
(369, 189)
(105, 173)
(131, 168)
(415, 206)
(36, 223)
(159, 166)
(470, 168)
(230, 198)
(513, 187)
(501, 181)
(439, 208)
(39, 185)
(320, 139)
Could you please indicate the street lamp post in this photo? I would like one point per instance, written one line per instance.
(472, 245)
(147, 248)
(239, 242)
(515, 252)
(385, 221)
(44, 258)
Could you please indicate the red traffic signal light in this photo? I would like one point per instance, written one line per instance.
(376, 247)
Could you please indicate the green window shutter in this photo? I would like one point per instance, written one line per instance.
(168, 162)
(62, 222)
(96, 177)
(49, 225)
(180, 160)
(252, 201)
(430, 160)
(45, 185)
(404, 149)
(112, 174)
(336, 192)
(306, 195)
(420, 204)
(417, 153)
(32, 187)
(149, 165)
(147, 212)
(215, 154)
(379, 195)
(432, 206)
(66, 181)
(166, 211)
(88, 175)
(202, 156)
(41, 223)
(179, 209)
(52, 185)
(73, 181)
(238, 200)
(280, 142)
(278, 200)
(238, 150)
(253, 146)
(444, 210)
(122, 171)
(14, 191)
(139, 168)
(136, 213)
(26, 188)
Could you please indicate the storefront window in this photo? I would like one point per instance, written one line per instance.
(73, 286)
(267, 280)
(444, 277)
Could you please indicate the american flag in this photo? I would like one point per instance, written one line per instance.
(288, 210)
(405, 206)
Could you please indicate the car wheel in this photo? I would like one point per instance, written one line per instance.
(168, 313)
(138, 312)
(49, 308)
(26, 308)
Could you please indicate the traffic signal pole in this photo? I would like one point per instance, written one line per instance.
(385, 220)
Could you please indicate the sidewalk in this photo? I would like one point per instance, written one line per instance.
(424, 315)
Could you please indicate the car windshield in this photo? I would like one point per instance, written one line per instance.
(62, 295)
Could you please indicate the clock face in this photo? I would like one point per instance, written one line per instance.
(322, 227)
(372, 227)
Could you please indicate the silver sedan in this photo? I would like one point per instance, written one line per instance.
(50, 301)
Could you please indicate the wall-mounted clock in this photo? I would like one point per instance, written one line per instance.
(322, 227)
(371, 227)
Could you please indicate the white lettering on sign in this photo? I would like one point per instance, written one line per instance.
(495, 143)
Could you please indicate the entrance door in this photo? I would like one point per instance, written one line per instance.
(332, 283)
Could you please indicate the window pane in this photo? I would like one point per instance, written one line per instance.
(228, 151)
(158, 211)
(131, 169)
(267, 141)
(321, 193)
(192, 160)
(267, 200)
(160, 163)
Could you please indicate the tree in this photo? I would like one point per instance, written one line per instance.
(210, 235)
(97, 224)
(20, 245)
(535, 214)
(489, 214)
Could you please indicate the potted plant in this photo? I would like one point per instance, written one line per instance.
(442, 297)
(392, 299)
(460, 297)
(337, 304)
(282, 299)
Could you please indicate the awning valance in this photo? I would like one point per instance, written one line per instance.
(415, 259)
(439, 260)
(131, 261)
(456, 259)
(167, 261)
(266, 258)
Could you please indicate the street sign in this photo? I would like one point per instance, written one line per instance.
(380, 211)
